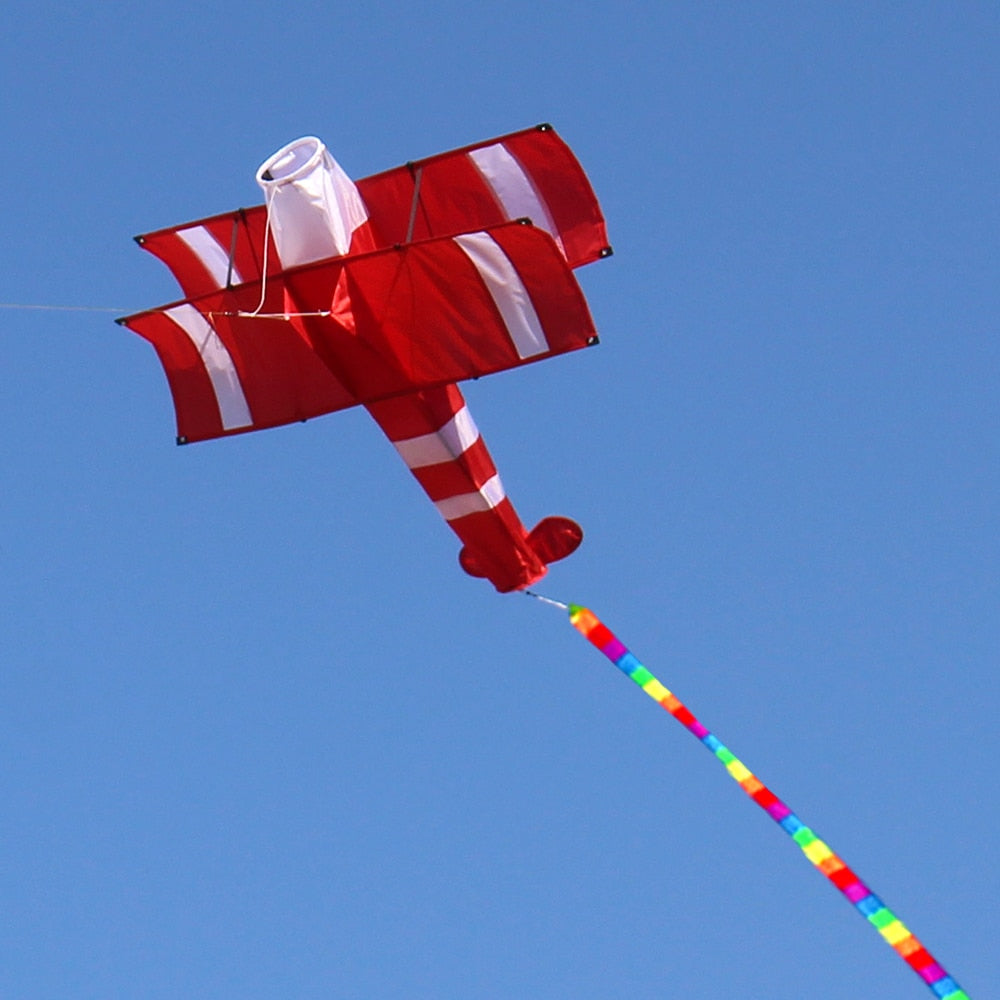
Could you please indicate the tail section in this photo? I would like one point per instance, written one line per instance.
(436, 436)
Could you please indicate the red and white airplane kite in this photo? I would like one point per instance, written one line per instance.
(386, 294)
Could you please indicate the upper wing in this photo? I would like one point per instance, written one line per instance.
(423, 315)
(529, 174)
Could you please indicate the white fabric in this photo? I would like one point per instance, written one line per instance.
(313, 206)
(513, 187)
(211, 253)
(508, 292)
(442, 445)
(486, 498)
(218, 362)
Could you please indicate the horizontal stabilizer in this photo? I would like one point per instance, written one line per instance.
(555, 538)
(552, 539)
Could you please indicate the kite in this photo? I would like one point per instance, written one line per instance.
(893, 931)
(386, 294)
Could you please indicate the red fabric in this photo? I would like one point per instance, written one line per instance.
(400, 419)
(449, 479)
(496, 548)
(919, 959)
(282, 379)
(554, 538)
(843, 877)
(765, 798)
(454, 198)
(600, 636)
(191, 274)
(198, 416)
(566, 191)
(683, 716)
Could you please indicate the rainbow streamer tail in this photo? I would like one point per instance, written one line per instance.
(890, 927)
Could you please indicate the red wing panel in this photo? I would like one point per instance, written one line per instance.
(196, 404)
(530, 174)
(452, 199)
(198, 253)
(228, 375)
(566, 192)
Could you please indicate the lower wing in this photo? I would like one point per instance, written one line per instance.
(359, 329)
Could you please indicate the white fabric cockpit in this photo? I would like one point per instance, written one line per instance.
(313, 206)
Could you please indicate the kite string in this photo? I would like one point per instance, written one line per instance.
(545, 600)
(889, 926)
(50, 308)
(263, 271)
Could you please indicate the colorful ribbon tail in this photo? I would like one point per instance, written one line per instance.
(893, 931)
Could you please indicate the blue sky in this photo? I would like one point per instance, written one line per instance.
(262, 738)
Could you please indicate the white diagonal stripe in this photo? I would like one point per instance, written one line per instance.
(513, 187)
(442, 445)
(211, 253)
(219, 367)
(508, 292)
(486, 498)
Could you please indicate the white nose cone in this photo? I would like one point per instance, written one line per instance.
(313, 206)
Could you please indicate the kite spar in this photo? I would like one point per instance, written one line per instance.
(892, 930)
